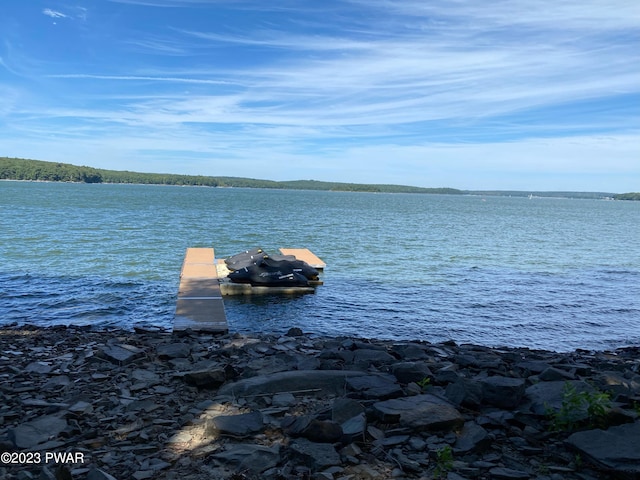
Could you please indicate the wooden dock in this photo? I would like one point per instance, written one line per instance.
(199, 306)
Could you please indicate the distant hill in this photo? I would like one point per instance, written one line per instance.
(24, 169)
(38, 170)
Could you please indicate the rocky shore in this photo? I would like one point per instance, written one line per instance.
(100, 405)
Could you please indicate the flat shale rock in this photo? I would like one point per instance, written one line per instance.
(237, 425)
(419, 412)
(617, 448)
(256, 458)
(38, 431)
(121, 354)
(316, 456)
(322, 381)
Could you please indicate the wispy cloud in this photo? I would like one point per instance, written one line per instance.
(53, 13)
(411, 86)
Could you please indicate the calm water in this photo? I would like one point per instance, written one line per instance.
(544, 273)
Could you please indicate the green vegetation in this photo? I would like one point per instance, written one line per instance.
(444, 462)
(627, 196)
(36, 170)
(580, 409)
(424, 383)
(18, 169)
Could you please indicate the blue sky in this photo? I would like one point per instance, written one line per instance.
(508, 94)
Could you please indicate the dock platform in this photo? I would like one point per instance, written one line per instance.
(199, 306)
(305, 255)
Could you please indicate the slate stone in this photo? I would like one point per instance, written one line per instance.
(466, 392)
(236, 425)
(283, 399)
(472, 437)
(502, 473)
(374, 387)
(548, 395)
(121, 354)
(29, 434)
(373, 356)
(354, 427)
(345, 408)
(533, 366)
(323, 431)
(503, 392)
(316, 456)
(256, 458)
(410, 351)
(173, 350)
(552, 374)
(617, 448)
(324, 381)
(407, 372)
(39, 367)
(420, 412)
(211, 377)
(448, 374)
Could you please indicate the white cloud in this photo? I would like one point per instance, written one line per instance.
(53, 13)
(430, 93)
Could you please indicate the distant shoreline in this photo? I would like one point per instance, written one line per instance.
(41, 171)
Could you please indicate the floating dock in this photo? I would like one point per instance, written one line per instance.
(305, 255)
(199, 306)
(204, 281)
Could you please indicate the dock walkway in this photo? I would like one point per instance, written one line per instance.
(199, 306)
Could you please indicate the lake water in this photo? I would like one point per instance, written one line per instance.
(544, 273)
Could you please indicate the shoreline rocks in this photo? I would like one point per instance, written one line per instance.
(148, 404)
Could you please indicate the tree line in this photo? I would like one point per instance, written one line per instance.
(38, 170)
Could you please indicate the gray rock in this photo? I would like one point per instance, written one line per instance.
(283, 399)
(447, 374)
(316, 456)
(354, 427)
(237, 425)
(420, 412)
(375, 386)
(617, 448)
(345, 408)
(481, 360)
(407, 372)
(373, 357)
(98, 474)
(548, 395)
(471, 437)
(38, 367)
(294, 332)
(410, 351)
(121, 354)
(502, 392)
(553, 374)
(173, 350)
(502, 473)
(466, 392)
(321, 431)
(256, 458)
(38, 431)
(321, 381)
(532, 366)
(211, 377)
